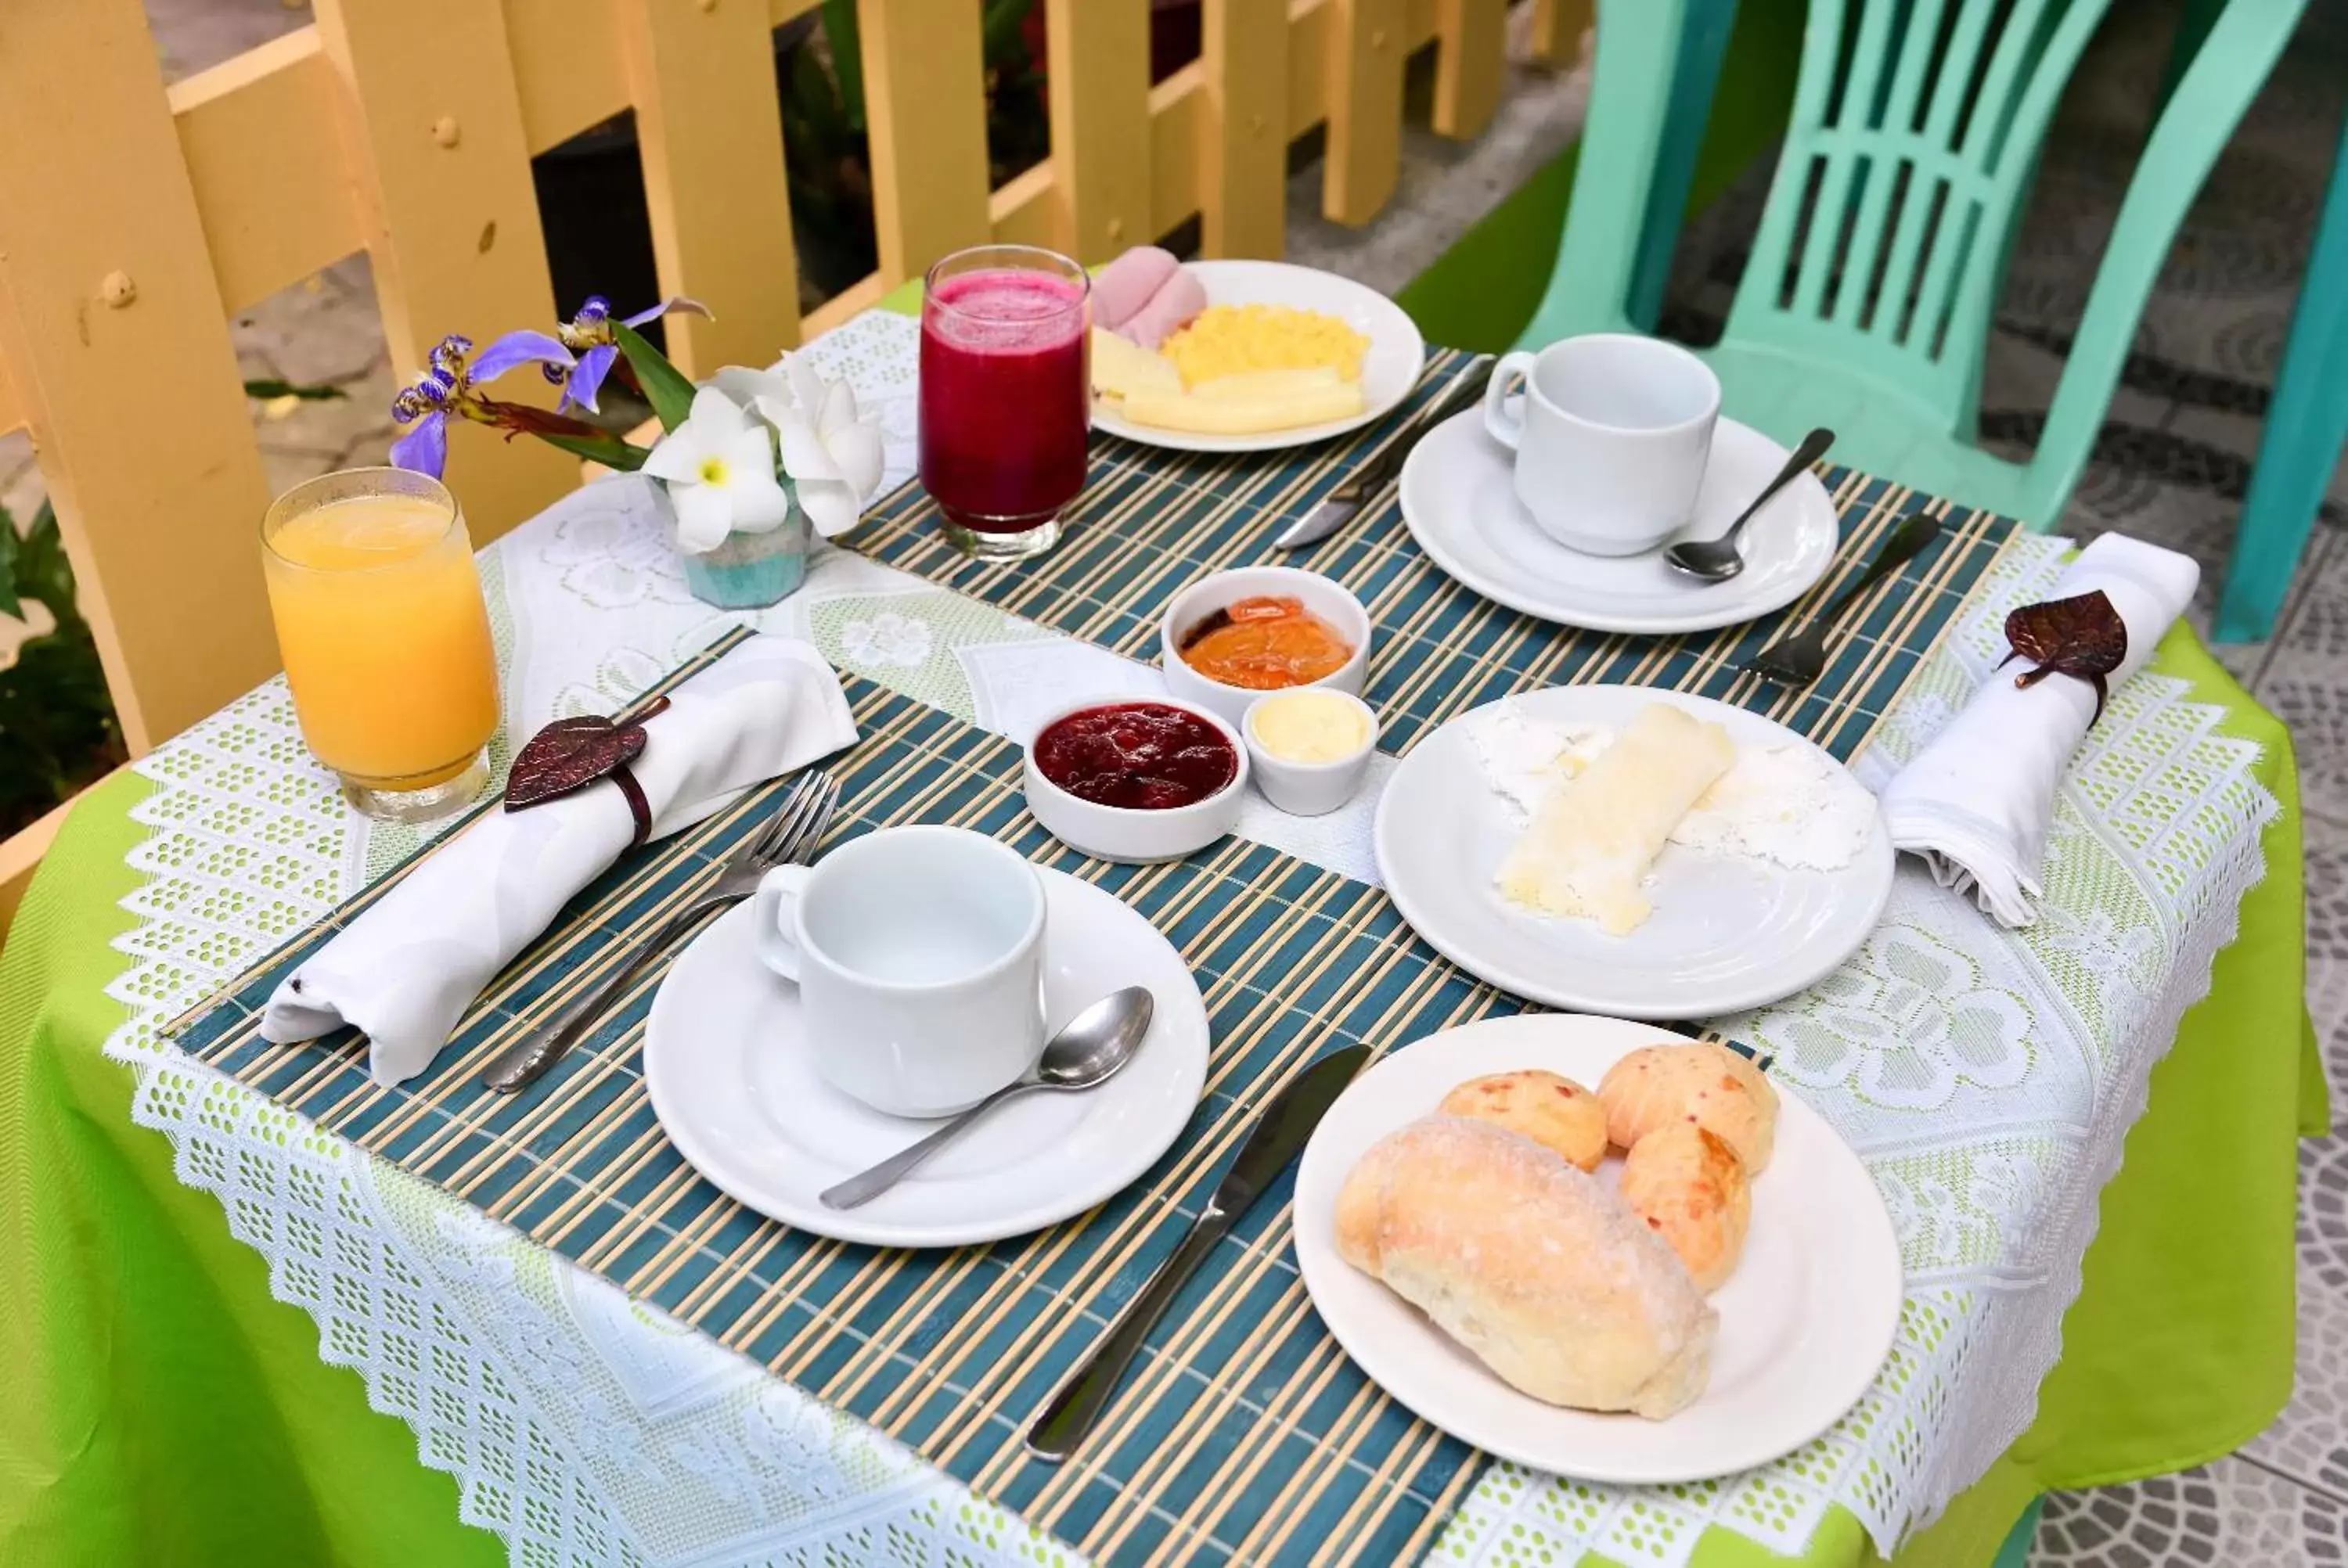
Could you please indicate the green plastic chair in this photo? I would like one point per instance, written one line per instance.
(2307, 425)
(1867, 303)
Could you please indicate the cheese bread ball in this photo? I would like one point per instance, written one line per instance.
(1697, 1083)
(1555, 1112)
(1687, 1185)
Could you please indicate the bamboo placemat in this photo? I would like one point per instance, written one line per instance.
(1243, 1433)
(1151, 520)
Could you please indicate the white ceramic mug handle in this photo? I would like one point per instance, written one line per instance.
(772, 907)
(1514, 371)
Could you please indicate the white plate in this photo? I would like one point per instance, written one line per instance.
(1391, 368)
(737, 1092)
(1805, 1322)
(1460, 502)
(1728, 932)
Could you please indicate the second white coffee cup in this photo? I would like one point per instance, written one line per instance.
(1611, 433)
(919, 955)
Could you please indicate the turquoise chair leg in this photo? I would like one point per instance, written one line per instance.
(1626, 137)
(2306, 426)
(2015, 1552)
(1704, 45)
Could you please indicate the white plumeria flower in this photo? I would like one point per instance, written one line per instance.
(755, 389)
(831, 453)
(719, 466)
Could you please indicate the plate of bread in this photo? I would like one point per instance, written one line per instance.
(1243, 356)
(1633, 852)
(1597, 1249)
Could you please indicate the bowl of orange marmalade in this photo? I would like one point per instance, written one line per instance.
(1228, 639)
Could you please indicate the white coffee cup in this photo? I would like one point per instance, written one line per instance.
(1611, 437)
(918, 954)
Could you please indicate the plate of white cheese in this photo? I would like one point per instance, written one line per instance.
(1631, 851)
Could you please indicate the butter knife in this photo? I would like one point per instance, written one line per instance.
(1278, 1136)
(1357, 489)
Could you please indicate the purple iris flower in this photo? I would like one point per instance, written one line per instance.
(445, 388)
(578, 354)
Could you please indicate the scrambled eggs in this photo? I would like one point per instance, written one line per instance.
(1232, 340)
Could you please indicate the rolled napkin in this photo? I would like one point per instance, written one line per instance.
(1975, 803)
(407, 968)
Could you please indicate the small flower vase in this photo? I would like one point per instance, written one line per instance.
(750, 571)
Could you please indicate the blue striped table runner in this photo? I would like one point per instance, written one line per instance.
(1242, 1434)
(1151, 520)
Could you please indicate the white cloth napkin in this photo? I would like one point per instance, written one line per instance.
(408, 967)
(1976, 801)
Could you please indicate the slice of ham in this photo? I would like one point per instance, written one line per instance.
(1144, 296)
(1179, 299)
(1122, 288)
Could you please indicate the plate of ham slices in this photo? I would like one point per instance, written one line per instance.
(1243, 356)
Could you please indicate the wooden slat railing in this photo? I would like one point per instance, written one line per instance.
(134, 221)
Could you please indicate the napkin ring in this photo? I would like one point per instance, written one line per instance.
(569, 754)
(2083, 637)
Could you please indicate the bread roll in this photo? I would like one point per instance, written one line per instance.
(1531, 1263)
(1696, 1082)
(1690, 1188)
(1553, 1112)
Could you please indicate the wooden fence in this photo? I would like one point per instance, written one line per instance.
(134, 221)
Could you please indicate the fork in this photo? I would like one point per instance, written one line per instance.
(1800, 659)
(789, 836)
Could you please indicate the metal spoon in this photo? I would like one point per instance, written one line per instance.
(1087, 1052)
(1716, 560)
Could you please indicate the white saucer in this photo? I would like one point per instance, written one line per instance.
(1460, 502)
(1805, 1322)
(737, 1090)
(1728, 932)
(1389, 370)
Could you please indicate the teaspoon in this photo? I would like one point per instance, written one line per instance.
(1087, 1052)
(1717, 560)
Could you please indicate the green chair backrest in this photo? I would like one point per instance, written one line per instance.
(1914, 135)
(1915, 129)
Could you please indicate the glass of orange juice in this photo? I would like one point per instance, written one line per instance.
(386, 637)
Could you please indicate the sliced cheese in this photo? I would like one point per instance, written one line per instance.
(1255, 384)
(1198, 415)
(1595, 837)
(1122, 367)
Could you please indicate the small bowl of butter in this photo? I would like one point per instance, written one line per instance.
(1309, 747)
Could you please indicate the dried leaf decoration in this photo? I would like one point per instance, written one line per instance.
(572, 753)
(2083, 636)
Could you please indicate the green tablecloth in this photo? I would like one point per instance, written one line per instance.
(163, 1409)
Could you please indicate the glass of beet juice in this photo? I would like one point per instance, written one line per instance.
(1006, 395)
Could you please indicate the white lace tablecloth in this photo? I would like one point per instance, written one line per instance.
(1986, 1076)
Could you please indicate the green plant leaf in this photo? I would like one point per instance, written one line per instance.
(608, 450)
(664, 385)
(10, 605)
(841, 31)
(43, 572)
(814, 110)
(55, 709)
(269, 387)
(999, 31)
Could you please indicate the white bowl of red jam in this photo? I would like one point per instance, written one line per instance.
(1136, 779)
(1229, 638)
